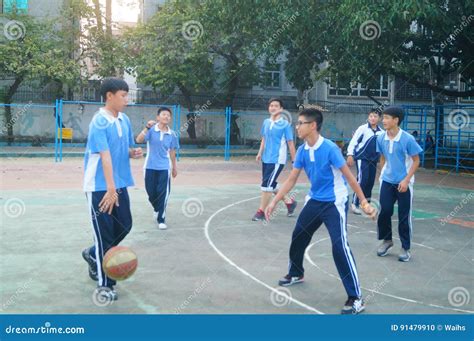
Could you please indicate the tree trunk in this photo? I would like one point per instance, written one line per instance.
(9, 121)
(229, 100)
(191, 117)
(108, 18)
(439, 111)
(98, 15)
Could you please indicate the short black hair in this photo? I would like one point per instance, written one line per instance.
(274, 99)
(112, 85)
(161, 109)
(313, 115)
(395, 112)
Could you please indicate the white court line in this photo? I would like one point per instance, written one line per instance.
(369, 231)
(308, 258)
(282, 293)
(223, 256)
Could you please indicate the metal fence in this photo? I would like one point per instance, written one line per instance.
(446, 133)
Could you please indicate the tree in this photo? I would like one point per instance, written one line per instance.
(419, 42)
(34, 51)
(235, 33)
(161, 56)
(298, 35)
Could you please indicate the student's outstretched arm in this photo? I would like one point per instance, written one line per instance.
(285, 188)
(141, 137)
(364, 204)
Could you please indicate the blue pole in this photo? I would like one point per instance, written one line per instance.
(458, 150)
(56, 108)
(230, 125)
(227, 128)
(175, 112)
(423, 135)
(436, 146)
(61, 130)
(178, 124)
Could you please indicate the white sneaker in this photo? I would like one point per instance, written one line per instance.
(355, 209)
(155, 216)
(162, 226)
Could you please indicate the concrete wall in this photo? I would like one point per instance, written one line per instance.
(32, 120)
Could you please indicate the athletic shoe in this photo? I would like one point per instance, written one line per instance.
(353, 306)
(155, 216)
(355, 209)
(289, 280)
(384, 247)
(162, 226)
(259, 216)
(404, 255)
(91, 262)
(107, 293)
(291, 208)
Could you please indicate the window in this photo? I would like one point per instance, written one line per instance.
(272, 77)
(8, 6)
(344, 87)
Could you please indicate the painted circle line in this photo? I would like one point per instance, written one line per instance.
(308, 258)
(243, 271)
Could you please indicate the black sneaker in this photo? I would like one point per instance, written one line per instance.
(353, 306)
(259, 216)
(291, 208)
(289, 280)
(91, 262)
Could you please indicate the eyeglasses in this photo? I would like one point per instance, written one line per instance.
(300, 123)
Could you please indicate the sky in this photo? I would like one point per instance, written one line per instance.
(124, 10)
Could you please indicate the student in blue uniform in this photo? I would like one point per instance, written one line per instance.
(276, 134)
(160, 163)
(107, 175)
(362, 150)
(399, 161)
(327, 172)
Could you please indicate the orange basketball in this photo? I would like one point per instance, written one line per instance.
(120, 262)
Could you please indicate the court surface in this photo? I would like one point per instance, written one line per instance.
(213, 259)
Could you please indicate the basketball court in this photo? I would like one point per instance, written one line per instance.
(213, 259)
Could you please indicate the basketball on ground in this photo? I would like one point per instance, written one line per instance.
(120, 262)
